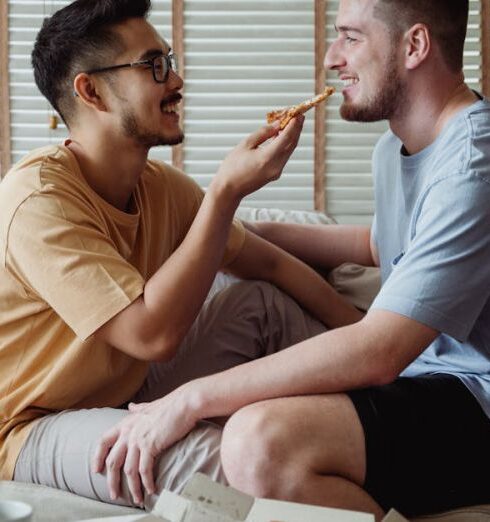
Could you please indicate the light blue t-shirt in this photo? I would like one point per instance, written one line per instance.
(432, 232)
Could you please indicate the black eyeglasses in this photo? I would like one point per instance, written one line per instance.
(160, 66)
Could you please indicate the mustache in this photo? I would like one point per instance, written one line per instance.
(173, 98)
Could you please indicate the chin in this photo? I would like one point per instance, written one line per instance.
(359, 113)
(172, 140)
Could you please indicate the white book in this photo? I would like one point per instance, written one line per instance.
(206, 501)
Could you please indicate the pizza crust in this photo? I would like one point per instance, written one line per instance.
(287, 114)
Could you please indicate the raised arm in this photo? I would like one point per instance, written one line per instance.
(152, 327)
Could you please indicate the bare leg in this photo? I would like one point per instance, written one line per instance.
(312, 446)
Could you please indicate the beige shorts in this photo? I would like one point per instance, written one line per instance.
(243, 322)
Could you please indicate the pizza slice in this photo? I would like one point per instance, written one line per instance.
(287, 114)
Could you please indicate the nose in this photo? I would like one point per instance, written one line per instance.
(334, 58)
(174, 80)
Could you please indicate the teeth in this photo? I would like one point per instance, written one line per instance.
(170, 107)
(349, 81)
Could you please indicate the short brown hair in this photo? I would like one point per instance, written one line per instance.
(446, 20)
(77, 38)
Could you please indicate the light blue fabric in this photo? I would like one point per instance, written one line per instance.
(432, 231)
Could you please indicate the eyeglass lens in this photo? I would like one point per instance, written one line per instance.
(161, 66)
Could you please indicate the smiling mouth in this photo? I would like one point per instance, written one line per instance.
(348, 82)
(170, 107)
(171, 104)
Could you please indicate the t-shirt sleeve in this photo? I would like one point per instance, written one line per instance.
(443, 278)
(60, 252)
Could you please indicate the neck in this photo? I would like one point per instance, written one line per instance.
(429, 108)
(111, 165)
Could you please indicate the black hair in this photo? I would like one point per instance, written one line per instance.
(447, 21)
(78, 38)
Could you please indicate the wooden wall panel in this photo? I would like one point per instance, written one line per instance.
(4, 91)
(179, 49)
(320, 139)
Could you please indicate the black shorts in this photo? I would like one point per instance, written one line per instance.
(427, 444)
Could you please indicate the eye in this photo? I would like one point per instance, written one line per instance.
(158, 64)
(350, 40)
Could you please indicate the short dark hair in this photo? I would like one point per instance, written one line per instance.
(447, 21)
(78, 38)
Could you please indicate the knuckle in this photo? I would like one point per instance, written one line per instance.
(111, 463)
(130, 471)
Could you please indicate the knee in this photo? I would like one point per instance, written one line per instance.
(255, 448)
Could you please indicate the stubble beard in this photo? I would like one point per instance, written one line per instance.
(144, 138)
(387, 102)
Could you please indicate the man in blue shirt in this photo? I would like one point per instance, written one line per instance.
(391, 411)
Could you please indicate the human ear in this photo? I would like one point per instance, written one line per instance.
(417, 45)
(87, 91)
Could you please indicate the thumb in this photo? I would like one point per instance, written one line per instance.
(262, 135)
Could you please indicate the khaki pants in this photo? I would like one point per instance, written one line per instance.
(246, 321)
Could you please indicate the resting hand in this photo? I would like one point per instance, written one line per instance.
(134, 443)
(253, 163)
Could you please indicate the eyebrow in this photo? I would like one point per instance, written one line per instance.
(151, 53)
(345, 28)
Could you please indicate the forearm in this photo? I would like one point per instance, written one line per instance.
(322, 246)
(260, 259)
(333, 362)
(175, 293)
(153, 326)
(313, 293)
(371, 352)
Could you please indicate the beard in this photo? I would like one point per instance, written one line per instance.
(132, 129)
(387, 102)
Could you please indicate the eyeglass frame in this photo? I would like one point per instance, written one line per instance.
(170, 59)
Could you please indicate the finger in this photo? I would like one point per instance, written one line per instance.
(293, 129)
(262, 135)
(114, 463)
(146, 470)
(103, 447)
(131, 470)
(285, 143)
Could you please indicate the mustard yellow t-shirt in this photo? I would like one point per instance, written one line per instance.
(69, 262)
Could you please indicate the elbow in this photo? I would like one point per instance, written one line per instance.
(383, 370)
(159, 347)
(384, 376)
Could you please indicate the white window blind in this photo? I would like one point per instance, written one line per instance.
(243, 58)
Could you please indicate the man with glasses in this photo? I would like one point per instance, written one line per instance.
(107, 259)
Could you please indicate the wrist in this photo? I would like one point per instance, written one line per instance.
(224, 192)
(195, 400)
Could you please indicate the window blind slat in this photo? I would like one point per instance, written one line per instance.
(243, 58)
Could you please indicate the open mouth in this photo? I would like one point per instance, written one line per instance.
(349, 82)
(170, 105)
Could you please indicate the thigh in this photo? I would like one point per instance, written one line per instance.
(426, 443)
(247, 320)
(59, 450)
